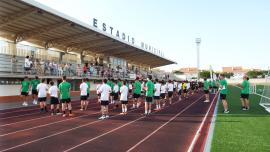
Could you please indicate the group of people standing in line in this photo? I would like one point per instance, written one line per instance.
(119, 92)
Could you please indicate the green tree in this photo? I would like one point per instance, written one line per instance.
(205, 74)
(228, 74)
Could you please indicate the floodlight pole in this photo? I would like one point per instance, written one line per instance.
(198, 42)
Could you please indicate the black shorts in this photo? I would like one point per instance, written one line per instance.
(185, 90)
(104, 103)
(170, 94)
(149, 99)
(124, 102)
(192, 88)
(99, 95)
(136, 96)
(130, 91)
(215, 87)
(179, 92)
(156, 97)
(27, 68)
(174, 89)
(162, 95)
(54, 100)
(84, 97)
(34, 92)
(206, 91)
(115, 96)
(65, 100)
(24, 93)
(42, 99)
(88, 95)
(244, 96)
(223, 96)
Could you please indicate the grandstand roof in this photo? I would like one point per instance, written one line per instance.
(28, 20)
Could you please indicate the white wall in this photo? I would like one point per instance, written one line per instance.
(12, 90)
(9, 90)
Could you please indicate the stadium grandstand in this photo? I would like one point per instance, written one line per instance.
(56, 45)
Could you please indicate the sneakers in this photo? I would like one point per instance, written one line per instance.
(35, 102)
(81, 109)
(71, 115)
(226, 111)
(64, 115)
(102, 118)
(25, 103)
(206, 101)
(107, 116)
(122, 113)
(245, 108)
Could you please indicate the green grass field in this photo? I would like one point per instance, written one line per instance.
(241, 131)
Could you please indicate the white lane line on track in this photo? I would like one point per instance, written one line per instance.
(36, 118)
(20, 115)
(62, 132)
(163, 125)
(196, 136)
(58, 133)
(115, 129)
(48, 124)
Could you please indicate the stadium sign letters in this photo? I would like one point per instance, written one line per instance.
(109, 29)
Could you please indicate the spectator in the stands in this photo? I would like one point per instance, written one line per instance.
(60, 70)
(51, 67)
(65, 70)
(91, 69)
(78, 70)
(27, 65)
(55, 68)
(85, 67)
(13, 64)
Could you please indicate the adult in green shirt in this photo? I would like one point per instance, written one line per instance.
(223, 92)
(137, 86)
(149, 95)
(64, 88)
(25, 85)
(206, 85)
(245, 93)
(34, 84)
(119, 83)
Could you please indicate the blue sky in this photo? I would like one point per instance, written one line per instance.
(233, 32)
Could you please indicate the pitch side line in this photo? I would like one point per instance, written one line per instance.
(195, 138)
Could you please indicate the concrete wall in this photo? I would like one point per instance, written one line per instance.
(13, 90)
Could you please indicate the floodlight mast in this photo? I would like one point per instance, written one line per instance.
(198, 43)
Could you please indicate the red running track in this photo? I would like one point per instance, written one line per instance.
(171, 129)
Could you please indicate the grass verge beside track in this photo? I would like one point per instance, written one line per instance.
(241, 131)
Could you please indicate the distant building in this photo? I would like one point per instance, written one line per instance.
(237, 71)
(189, 72)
